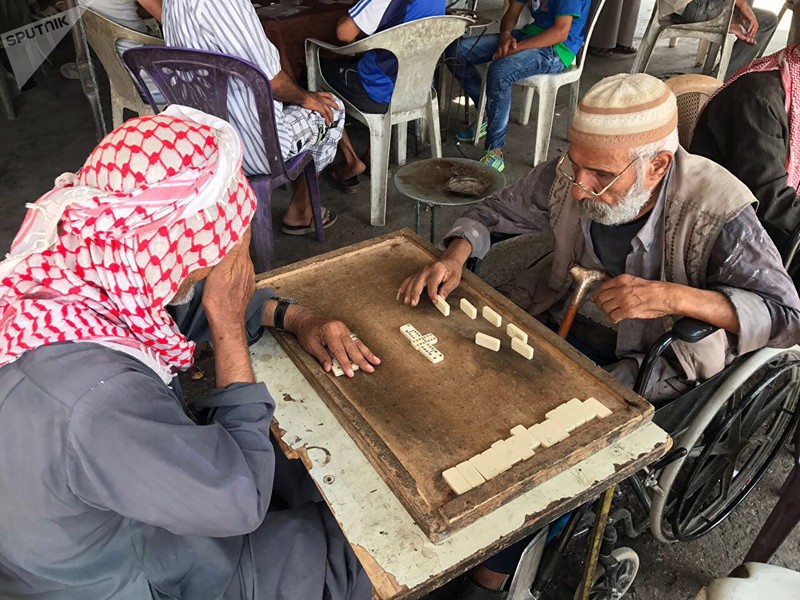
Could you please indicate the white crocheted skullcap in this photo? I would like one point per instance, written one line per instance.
(624, 111)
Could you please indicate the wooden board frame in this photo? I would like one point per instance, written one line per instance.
(440, 518)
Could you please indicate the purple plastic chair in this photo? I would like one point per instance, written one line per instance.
(200, 80)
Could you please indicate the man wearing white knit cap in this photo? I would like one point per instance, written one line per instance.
(677, 232)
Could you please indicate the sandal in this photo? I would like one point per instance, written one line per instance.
(328, 218)
(600, 52)
(348, 186)
(620, 49)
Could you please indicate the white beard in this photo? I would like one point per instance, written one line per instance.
(625, 210)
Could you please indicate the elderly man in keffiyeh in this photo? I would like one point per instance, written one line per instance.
(109, 488)
(752, 128)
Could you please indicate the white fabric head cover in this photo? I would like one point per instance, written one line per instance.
(624, 111)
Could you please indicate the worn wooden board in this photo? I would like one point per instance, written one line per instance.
(413, 419)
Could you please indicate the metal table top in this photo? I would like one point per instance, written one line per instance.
(424, 180)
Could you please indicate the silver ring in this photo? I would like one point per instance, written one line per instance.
(354, 337)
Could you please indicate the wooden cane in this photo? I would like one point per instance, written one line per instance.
(583, 280)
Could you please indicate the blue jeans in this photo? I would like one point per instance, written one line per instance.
(464, 54)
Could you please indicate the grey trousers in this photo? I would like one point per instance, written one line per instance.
(616, 24)
(743, 54)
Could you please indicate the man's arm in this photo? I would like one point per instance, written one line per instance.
(153, 7)
(321, 337)
(286, 90)
(629, 297)
(746, 18)
(242, 35)
(520, 208)
(509, 21)
(133, 450)
(346, 29)
(551, 36)
(749, 293)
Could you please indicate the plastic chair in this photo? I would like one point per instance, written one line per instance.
(548, 85)
(103, 35)
(753, 581)
(714, 31)
(692, 92)
(417, 46)
(787, 5)
(86, 70)
(201, 80)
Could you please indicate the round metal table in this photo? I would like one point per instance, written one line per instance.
(423, 181)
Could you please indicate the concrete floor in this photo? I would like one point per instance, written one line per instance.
(53, 133)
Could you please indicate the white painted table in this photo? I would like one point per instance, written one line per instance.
(399, 558)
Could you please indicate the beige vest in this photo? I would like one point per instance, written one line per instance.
(700, 198)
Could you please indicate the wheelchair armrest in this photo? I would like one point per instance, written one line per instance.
(686, 330)
(692, 330)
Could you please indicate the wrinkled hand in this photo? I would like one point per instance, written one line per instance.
(506, 46)
(744, 26)
(323, 103)
(629, 297)
(439, 278)
(230, 285)
(321, 337)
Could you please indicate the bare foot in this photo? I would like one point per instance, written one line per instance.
(343, 171)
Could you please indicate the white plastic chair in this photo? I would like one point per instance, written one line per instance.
(103, 35)
(548, 85)
(754, 581)
(787, 5)
(417, 46)
(714, 31)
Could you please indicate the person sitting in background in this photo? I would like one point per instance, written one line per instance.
(752, 26)
(368, 84)
(305, 121)
(615, 28)
(547, 45)
(112, 487)
(751, 126)
(125, 13)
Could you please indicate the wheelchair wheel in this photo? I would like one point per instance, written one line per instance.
(603, 588)
(732, 442)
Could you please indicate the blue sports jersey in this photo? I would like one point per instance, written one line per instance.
(378, 68)
(544, 17)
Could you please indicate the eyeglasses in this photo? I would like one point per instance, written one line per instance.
(574, 181)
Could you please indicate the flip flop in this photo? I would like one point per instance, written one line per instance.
(348, 186)
(620, 49)
(328, 218)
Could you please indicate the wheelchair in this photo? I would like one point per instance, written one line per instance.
(727, 432)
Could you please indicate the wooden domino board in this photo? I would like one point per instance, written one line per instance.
(414, 419)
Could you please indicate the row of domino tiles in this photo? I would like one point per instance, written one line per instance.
(519, 339)
(505, 453)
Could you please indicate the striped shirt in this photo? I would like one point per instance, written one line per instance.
(231, 27)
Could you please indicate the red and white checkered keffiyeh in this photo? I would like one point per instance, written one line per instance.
(100, 256)
(788, 62)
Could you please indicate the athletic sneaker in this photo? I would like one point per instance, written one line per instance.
(468, 135)
(493, 160)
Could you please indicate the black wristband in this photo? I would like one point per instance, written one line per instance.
(280, 313)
